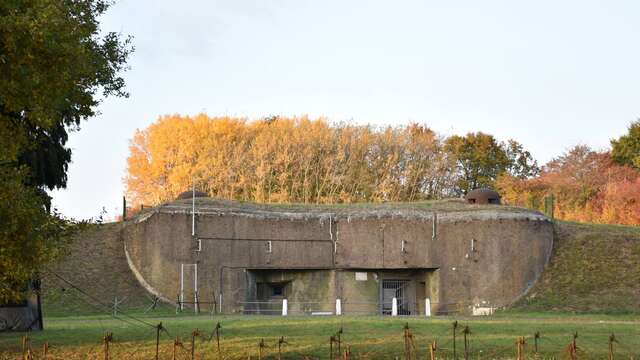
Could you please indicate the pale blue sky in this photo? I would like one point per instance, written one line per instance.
(550, 74)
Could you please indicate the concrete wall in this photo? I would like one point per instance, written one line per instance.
(321, 251)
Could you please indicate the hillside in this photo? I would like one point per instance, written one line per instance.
(96, 264)
(594, 268)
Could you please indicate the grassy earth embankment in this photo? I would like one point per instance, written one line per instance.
(593, 269)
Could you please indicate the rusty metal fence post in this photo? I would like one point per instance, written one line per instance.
(108, 337)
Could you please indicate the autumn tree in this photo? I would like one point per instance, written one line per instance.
(280, 159)
(626, 149)
(587, 185)
(55, 67)
(481, 159)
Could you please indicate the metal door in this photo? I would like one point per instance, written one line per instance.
(397, 289)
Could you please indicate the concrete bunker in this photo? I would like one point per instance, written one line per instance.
(483, 196)
(248, 258)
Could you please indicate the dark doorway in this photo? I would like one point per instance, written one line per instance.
(266, 291)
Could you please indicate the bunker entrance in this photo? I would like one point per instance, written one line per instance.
(398, 289)
(271, 291)
(410, 288)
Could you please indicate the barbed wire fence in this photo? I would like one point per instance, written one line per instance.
(457, 341)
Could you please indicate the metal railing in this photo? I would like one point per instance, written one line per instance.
(348, 307)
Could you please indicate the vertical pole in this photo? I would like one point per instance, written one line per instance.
(218, 339)
(612, 339)
(193, 208)
(196, 306)
(466, 333)
(45, 350)
(574, 347)
(331, 339)
(124, 208)
(285, 305)
(394, 306)
(107, 338)
(434, 228)
(454, 327)
(181, 287)
(432, 350)
(25, 343)
(158, 328)
(406, 342)
(427, 307)
(338, 307)
(175, 346)
(193, 343)
(39, 303)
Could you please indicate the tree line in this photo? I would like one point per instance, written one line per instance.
(303, 160)
(587, 185)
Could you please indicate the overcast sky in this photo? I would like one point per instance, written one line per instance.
(550, 74)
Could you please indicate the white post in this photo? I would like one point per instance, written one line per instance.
(394, 307)
(284, 307)
(193, 208)
(338, 307)
(427, 307)
(181, 287)
(196, 306)
(220, 303)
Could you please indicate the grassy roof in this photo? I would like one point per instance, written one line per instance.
(447, 205)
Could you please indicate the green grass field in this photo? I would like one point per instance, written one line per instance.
(308, 337)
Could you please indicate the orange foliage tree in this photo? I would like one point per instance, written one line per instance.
(286, 160)
(586, 184)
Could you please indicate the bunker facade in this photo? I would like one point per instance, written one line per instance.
(245, 258)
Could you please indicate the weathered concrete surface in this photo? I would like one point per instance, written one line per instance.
(474, 255)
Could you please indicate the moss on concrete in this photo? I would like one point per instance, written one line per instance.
(447, 205)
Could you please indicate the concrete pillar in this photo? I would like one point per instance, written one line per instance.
(285, 304)
(338, 307)
(427, 307)
(394, 307)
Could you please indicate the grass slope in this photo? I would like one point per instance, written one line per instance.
(96, 264)
(594, 268)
